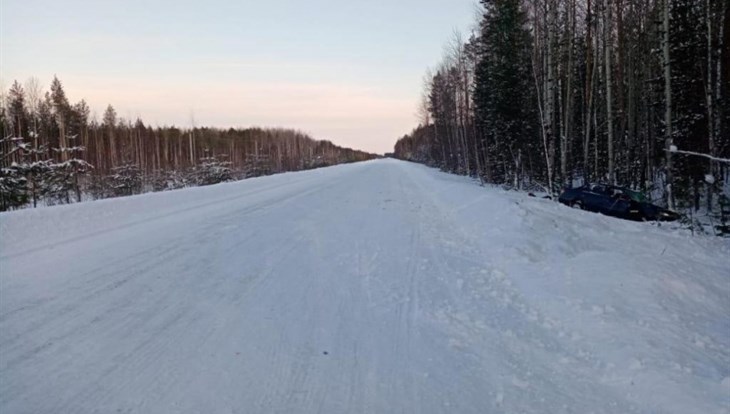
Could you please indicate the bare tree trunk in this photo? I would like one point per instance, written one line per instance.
(487, 160)
(543, 124)
(595, 146)
(550, 91)
(62, 137)
(619, 119)
(192, 139)
(710, 83)
(567, 124)
(470, 127)
(590, 81)
(77, 188)
(722, 55)
(609, 91)
(669, 143)
(708, 91)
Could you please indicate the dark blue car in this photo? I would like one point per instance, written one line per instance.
(615, 201)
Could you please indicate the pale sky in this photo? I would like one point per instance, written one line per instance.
(343, 70)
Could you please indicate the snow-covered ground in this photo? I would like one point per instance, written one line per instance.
(378, 287)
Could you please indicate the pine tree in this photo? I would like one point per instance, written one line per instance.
(17, 110)
(60, 109)
(503, 96)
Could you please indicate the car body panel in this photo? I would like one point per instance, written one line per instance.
(616, 202)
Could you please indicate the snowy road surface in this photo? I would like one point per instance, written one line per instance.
(379, 287)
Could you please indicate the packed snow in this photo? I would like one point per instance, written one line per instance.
(377, 287)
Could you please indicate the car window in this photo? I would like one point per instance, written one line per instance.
(600, 189)
(636, 196)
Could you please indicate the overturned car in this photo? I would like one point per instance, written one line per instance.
(617, 202)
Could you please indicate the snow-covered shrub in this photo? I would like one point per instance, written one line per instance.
(170, 180)
(257, 166)
(125, 180)
(212, 171)
(63, 179)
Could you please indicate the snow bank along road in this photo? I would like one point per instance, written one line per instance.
(379, 287)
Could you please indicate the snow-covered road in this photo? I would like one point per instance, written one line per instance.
(378, 287)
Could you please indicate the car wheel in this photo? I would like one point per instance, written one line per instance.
(577, 204)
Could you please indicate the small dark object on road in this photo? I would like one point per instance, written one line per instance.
(617, 202)
(547, 197)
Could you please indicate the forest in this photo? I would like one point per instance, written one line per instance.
(56, 152)
(546, 94)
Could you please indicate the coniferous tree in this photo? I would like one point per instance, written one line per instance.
(16, 111)
(503, 95)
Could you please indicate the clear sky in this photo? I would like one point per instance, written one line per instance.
(347, 71)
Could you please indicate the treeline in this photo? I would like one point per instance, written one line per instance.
(552, 93)
(52, 151)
